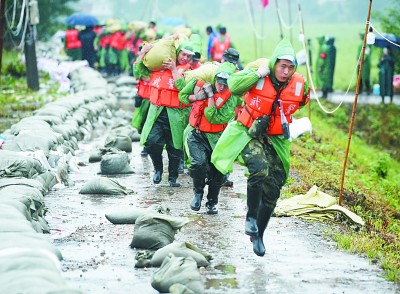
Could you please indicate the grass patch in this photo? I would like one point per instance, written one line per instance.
(371, 186)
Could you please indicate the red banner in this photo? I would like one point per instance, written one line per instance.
(264, 3)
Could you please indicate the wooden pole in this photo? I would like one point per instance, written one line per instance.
(353, 114)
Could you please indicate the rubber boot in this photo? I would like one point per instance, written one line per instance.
(212, 199)
(253, 202)
(263, 216)
(198, 191)
(174, 157)
(158, 167)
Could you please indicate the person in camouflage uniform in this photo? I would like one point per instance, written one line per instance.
(259, 137)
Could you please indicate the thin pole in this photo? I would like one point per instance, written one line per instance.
(279, 19)
(353, 114)
(2, 7)
(290, 21)
(255, 37)
(305, 45)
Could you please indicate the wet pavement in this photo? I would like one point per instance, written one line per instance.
(98, 258)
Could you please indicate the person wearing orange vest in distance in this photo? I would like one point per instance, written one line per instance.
(212, 108)
(72, 43)
(220, 44)
(260, 135)
(164, 124)
(117, 44)
(142, 98)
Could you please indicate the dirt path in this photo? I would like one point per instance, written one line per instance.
(98, 258)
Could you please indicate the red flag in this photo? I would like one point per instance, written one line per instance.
(264, 3)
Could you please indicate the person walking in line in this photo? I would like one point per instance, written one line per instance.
(386, 70)
(72, 44)
(87, 37)
(165, 121)
(212, 108)
(211, 35)
(260, 135)
(142, 98)
(220, 44)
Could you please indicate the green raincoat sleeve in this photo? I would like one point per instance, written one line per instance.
(140, 70)
(242, 81)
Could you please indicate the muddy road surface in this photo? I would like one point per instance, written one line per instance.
(98, 258)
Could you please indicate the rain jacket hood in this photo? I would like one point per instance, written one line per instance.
(283, 48)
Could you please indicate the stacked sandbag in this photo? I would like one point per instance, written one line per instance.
(37, 154)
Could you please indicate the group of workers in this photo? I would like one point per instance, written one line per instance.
(236, 115)
(325, 67)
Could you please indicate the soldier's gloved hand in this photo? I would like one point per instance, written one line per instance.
(201, 95)
(263, 71)
(209, 90)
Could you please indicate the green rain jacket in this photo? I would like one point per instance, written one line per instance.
(235, 137)
(177, 117)
(212, 114)
(139, 71)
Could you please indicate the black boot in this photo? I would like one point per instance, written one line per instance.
(158, 166)
(212, 199)
(144, 152)
(253, 202)
(157, 176)
(173, 183)
(181, 167)
(263, 216)
(198, 190)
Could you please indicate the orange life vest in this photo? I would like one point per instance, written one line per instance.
(162, 89)
(105, 41)
(72, 39)
(260, 99)
(118, 41)
(143, 89)
(219, 47)
(198, 120)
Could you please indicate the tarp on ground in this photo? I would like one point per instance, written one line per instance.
(315, 205)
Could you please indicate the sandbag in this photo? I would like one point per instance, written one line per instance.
(163, 49)
(205, 73)
(103, 186)
(28, 195)
(257, 63)
(177, 270)
(119, 141)
(181, 249)
(155, 230)
(152, 233)
(6, 182)
(28, 241)
(115, 164)
(15, 164)
(16, 226)
(98, 154)
(125, 216)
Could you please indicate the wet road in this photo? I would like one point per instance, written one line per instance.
(98, 258)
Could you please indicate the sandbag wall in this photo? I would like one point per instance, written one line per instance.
(35, 157)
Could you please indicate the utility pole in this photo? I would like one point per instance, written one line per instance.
(30, 48)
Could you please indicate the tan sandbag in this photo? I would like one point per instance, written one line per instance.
(177, 270)
(162, 50)
(257, 63)
(183, 30)
(205, 73)
(181, 249)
